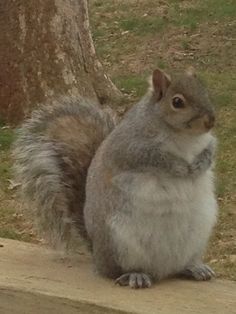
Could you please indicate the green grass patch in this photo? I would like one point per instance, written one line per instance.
(2, 123)
(219, 9)
(185, 44)
(9, 233)
(140, 20)
(98, 33)
(5, 170)
(223, 88)
(135, 85)
(160, 63)
(98, 4)
(177, 15)
(7, 220)
(224, 99)
(6, 138)
(201, 11)
(188, 18)
(143, 25)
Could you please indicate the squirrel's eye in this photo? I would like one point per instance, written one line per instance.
(178, 103)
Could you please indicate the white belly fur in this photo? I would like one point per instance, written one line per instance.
(168, 224)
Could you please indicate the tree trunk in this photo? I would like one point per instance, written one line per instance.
(47, 50)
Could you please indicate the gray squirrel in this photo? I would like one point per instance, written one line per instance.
(140, 192)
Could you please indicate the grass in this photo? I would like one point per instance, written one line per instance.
(131, 39)
(151, 17)
(185, 44)
(143, 25)
(12, 222)
(133, 85)
(6, 138)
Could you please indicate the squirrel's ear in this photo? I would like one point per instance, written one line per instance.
(160, 83)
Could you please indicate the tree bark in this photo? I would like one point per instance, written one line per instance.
(47, 50)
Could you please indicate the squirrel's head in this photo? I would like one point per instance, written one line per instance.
(183, 101)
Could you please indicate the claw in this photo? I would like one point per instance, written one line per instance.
(134, 280)
(200, 272)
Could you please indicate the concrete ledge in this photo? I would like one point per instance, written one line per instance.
(34, 280)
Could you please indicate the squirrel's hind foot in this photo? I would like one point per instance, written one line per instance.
(134, 280)
(200, 272)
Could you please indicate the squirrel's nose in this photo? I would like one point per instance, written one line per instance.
(209, 120)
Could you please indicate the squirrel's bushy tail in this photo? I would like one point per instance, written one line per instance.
(52, 154)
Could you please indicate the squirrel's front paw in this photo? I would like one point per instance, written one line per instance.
(134, 280)
(198, 272)
(202, 162)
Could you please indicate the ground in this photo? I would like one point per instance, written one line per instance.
(132, 38)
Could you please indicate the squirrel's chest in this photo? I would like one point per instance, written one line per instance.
(167, 223)
(167, 195)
